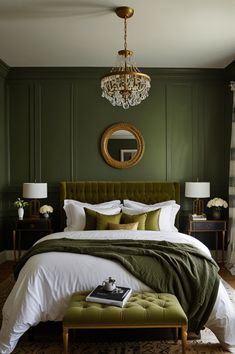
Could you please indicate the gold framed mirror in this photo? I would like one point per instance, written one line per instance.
(122, 145)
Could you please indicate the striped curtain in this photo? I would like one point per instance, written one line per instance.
(231, 232)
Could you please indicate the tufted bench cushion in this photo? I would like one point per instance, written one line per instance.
(143, 310)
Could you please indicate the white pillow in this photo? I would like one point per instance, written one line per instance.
(167, 215)
(67, 202)
(132, 203)
(105, 204)
(75, 214)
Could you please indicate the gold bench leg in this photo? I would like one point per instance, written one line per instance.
(184, 339)
(65, 339)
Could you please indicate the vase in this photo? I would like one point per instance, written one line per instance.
(216, 214)
(20, 213)
(46, 215)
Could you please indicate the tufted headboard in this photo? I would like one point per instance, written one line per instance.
(102, 191)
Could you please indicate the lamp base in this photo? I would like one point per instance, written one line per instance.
(34, 206)
(198, 207)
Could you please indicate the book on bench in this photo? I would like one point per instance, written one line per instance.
(116, 297)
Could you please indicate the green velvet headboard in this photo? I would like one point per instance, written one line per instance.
(103, 191)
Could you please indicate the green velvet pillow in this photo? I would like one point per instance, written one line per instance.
(140, 218)
(103, 221)
(93, 218)
(152, 220)
(90, 219)
(131, 226)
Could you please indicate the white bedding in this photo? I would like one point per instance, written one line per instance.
(46, 282)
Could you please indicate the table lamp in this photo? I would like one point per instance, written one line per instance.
(197, 190)
(34, 191)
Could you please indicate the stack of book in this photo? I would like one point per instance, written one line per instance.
(116, 297)
(199, 217)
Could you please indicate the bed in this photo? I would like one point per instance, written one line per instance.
(46, 280)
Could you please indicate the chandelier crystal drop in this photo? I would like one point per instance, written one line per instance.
(125, 85)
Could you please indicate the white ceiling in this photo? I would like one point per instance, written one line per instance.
(162, 33)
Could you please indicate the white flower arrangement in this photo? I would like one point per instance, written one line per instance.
(217, 203)
(46, 209)
(20, 203)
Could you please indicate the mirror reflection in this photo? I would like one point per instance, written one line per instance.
(122, 145)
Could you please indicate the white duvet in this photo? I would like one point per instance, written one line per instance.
(46, 282)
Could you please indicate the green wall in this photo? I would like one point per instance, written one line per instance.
(56, 117)
(3, 151)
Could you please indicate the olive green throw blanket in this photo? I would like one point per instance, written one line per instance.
(176, 268)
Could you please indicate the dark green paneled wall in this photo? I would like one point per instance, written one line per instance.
(21, 133)
(56, 118)
(2, 156)
(3, 150)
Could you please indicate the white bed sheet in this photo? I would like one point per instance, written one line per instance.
(46, 282)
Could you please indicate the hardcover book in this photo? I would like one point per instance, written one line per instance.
(116, 297)
(199, 217)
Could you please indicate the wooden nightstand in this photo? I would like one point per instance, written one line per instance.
(38, 227)
(219, 227)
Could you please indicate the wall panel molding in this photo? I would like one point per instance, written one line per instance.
(4, 69)
(74, 73)
(72, 130)
(38, 132)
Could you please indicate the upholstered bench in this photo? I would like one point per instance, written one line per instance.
(143, 310)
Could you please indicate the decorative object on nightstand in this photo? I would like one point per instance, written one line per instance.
(46, 210)
(34, 191)
(28, 227)
(197, 190)
(217, 205)
(20, 204)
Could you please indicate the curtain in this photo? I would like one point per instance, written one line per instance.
(231, 231)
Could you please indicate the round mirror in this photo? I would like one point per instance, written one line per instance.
(122, 145)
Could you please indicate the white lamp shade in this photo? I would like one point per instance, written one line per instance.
(197, 189)
(35, 190)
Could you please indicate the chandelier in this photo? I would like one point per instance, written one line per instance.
(125, 85)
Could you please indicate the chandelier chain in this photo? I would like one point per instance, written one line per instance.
(125, 34)
(125, 55)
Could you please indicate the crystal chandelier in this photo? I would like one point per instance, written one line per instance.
(125, 85)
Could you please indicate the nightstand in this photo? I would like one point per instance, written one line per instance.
(29, 227)
(219, 227)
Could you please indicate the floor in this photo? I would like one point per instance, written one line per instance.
(227, 276)
(6, 270)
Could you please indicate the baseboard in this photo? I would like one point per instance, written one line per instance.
(2, 257)
(6, 255)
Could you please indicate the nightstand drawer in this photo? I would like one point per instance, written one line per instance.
(216, 227)
(32, 229)
(40, 224)
(208, 225)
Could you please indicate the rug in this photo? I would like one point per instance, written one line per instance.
(48, 341)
